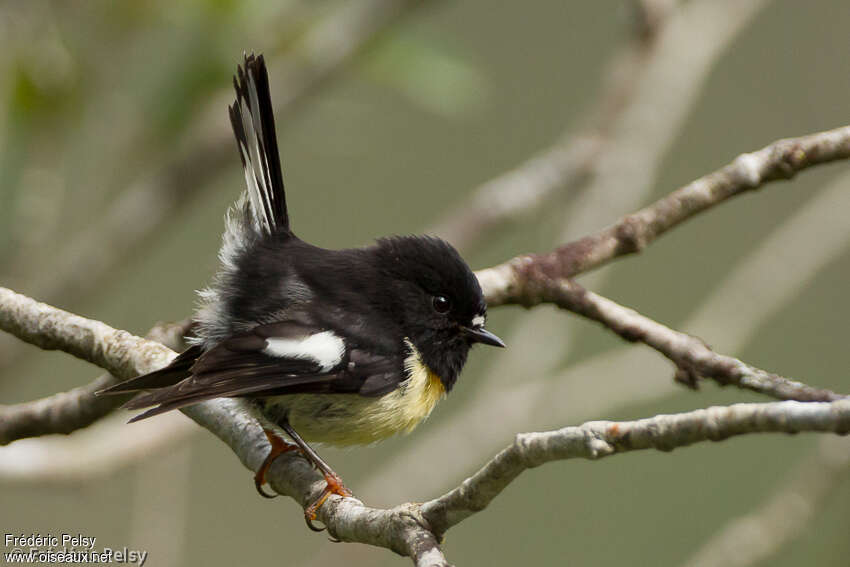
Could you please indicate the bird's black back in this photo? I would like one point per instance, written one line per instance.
(282, 277)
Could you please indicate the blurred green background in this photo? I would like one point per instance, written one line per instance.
(98, 99)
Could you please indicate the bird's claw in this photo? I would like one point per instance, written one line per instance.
(334, 486)
(278, 447)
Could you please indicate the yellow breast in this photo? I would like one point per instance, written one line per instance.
(351, 419)
(416, 397)
(404, 408)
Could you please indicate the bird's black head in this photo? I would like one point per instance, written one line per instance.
(437, 301)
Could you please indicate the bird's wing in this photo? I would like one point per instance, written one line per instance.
(275, 359)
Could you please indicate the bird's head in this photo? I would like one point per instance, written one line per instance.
(437, 301)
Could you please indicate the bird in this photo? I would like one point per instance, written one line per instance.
(339, 347)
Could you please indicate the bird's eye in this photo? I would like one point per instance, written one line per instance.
(442, 304)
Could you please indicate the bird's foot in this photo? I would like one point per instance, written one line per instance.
(333, 482)
(334, 486)
(279, 446)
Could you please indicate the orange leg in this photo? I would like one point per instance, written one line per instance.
(279, 447)
(334, 486)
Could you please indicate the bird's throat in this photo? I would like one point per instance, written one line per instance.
(423, 386)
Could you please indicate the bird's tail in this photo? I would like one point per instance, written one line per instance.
(179, 369)
(253, 125)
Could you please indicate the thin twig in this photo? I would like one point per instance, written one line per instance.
(536, 278)
(779, 160)
(598, 439)
(694, 360)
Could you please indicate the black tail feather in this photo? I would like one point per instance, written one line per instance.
(168, 376)
(252, 118)
(246, 385)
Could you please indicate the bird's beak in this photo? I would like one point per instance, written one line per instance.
(483, 336)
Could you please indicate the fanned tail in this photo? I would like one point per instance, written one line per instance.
(253, 125)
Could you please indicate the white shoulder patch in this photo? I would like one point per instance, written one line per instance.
(325, 349)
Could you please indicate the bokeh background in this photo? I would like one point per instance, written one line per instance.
(116, 168)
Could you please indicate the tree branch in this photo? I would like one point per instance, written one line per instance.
(693, 358)
(779, 160)
(119, 352)
(400, 529)
(75, 409)
(532, 279)
(598, 439)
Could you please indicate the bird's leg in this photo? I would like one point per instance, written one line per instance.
(334, 482)
(279, 447)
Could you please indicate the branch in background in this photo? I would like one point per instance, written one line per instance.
(690, 45)
(758, 536)
(567, 164)
(155, 198)
(93, 453)
(597, 439)
(410, 529)
(120, 353)
(66, 412)
(537, 278)
(693, 358)
(780, 160)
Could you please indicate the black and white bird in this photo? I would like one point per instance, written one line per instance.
(342, 347)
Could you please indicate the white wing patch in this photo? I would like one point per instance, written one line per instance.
(325, 349)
